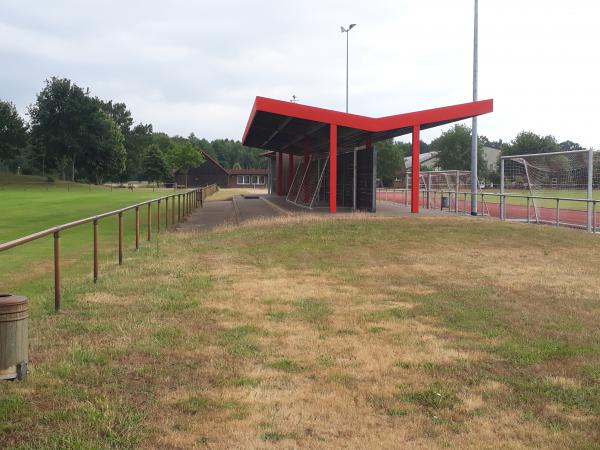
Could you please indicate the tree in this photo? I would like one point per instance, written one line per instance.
(13, 133)
(390, 160)
(453, 149)
(568, 146)
(527, 142)
(119, 113)
(136, 143)
(58, 123)
(485, 142)
(105, 155)
(155, 167)
(183, 156)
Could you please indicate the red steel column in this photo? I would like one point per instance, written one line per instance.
(414, 203)
(279, 173)
(290, 171)
(332, 168)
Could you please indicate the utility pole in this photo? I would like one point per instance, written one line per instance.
(474, 177)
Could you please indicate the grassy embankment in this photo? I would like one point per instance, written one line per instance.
(320, 333)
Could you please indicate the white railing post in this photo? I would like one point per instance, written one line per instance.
(590, 195)
(503, 198)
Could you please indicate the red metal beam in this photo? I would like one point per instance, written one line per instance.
(332, 168)
(414, 202)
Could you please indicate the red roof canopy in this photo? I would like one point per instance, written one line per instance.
(283, 126)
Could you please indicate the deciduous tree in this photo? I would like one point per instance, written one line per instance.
(155, 167)
(390, 160)
(183, 156)
(13, 133)
(453, 149)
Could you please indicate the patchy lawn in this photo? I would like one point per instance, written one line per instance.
(322, 333)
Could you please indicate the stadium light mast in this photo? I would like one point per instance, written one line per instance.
(354, 176)
(474, 177)
(347, 31)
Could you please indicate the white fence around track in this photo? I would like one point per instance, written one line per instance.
(557, 211)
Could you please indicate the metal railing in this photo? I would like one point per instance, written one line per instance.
(524, 209)
(183, 202)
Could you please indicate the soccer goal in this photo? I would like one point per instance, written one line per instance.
(442, 180)
(307, 182)
(546, 177)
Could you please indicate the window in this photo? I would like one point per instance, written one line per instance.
(250, 179)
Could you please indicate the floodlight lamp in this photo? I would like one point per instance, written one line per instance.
(352, 25)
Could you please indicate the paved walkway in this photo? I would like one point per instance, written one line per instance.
(234, 211)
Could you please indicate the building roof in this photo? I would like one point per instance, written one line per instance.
(207, 157)
(283, 126)
(214, 161)
(423, 158)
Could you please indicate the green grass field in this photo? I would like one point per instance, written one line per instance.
(543, 203)
(28, 208)
(313, 332)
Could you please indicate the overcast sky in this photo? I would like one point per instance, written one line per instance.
(196, 66)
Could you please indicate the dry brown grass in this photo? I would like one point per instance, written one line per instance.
(283, 334)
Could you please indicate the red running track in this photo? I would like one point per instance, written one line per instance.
(567, 217)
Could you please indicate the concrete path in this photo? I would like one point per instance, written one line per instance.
(253, 207)
(234, 211)
(210, 216)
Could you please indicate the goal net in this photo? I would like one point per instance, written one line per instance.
(560, 174)
(442, 180)
(307, 182)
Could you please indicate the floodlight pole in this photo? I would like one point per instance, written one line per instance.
(474, 177)
(347, 31)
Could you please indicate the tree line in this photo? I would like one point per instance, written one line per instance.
(453, 148)
(75, 136)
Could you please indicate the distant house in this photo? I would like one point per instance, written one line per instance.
(248, 178)
(427, 161)
(491, 156)
(211, 172)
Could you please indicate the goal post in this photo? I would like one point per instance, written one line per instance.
(307, 182)
(565, 174)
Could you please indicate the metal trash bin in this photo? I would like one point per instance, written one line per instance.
(445, 202)
(14, 340)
